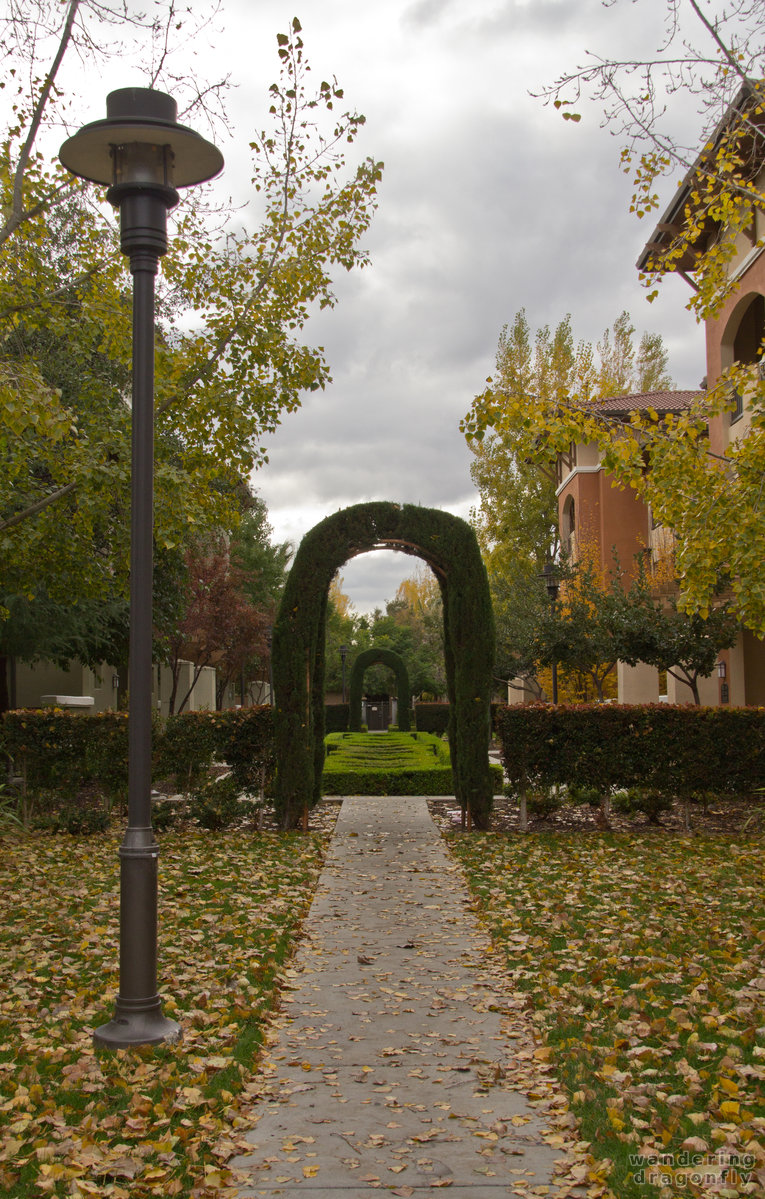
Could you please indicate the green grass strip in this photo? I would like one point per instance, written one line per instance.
(143, 1124)
(643, 959)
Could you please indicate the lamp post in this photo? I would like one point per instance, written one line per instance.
(270, 643)
(553, 587)
(343, 652)
(142, 155)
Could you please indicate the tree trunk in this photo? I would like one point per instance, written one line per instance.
(5, 698)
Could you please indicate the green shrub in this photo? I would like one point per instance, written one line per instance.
(579, 795)
(432, 718)
(215, 804)
(674, 750)
(648, 800)
(74, 819)
(185, 748)
(336, 717)
(390, 764)
(165, 814)
(450, 548)
(542, 802)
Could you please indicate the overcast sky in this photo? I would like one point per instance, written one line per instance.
(489, 203)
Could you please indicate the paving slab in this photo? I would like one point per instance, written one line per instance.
(389, 1067)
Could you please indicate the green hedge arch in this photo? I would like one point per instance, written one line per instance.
(449, 546)
(390, 658)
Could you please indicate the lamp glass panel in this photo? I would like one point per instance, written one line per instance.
(143, 162)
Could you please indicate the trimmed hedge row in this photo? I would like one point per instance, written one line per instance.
(336, 717)
(432, 718)
(391, 780)
(679, 750)
(60, 751)
(64, 751)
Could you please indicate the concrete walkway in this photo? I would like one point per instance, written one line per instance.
(389, 1068)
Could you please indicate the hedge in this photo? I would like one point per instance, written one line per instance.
(432, 718)
(63, 751)
(680, 750)
(449, 546)
(56, 750)
(395, 662)
(336, 717)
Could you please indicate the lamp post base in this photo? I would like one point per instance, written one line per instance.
(139, 1022)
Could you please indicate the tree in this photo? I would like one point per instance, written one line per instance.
(517, 517)
(233, 302)
(262, 564)
(686, 646)
(711, 501)
(417, 634)
(218, 625)
(344, 628)
(717, 60)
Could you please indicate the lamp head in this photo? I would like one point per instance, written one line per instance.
(140, 143)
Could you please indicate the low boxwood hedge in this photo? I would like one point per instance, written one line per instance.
(390, 764)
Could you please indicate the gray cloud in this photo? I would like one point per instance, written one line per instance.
(489, 203)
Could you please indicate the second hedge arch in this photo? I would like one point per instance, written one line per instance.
(450, 548)
(390, 658)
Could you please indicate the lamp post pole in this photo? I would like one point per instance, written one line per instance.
(142, 154)
(553, 588)
(343, 652)
(270, 644)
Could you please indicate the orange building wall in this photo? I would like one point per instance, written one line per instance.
(753, 281)
(607, 518)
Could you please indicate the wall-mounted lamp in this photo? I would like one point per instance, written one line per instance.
(722, 670)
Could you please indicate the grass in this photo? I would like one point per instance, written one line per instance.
(143, 1123)
(643, 960)
(386, 764)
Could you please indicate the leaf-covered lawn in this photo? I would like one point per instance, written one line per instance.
(643, 958)
(157, 1122)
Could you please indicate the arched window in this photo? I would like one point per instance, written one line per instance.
(744, 338)
(568, 532)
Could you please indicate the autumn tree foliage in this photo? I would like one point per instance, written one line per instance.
(517, 516)
(711, 501)
(219, 625)
(234, 296)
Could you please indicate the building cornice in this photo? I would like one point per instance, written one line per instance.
(578, 470)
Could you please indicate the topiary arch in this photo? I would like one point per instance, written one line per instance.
(450, 548)
(388, 657)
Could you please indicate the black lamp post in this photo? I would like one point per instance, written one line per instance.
(142, 155)
(553, 587)
(343, 652)
(270, 644)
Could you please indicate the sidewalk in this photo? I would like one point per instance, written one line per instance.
(390, 1069)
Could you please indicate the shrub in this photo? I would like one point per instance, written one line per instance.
(432, 718)
(674, 750)
(542, 802)
(242, 738)
(579, 795)
(648, 800)
(336, 717)
(74, 819)
(215, 804)
(165, 814)
(185, 748)
(450, 548)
